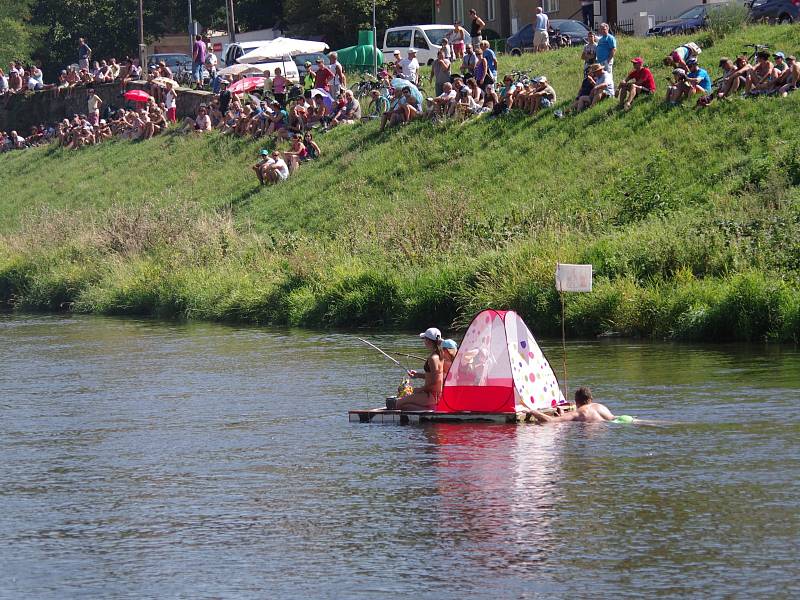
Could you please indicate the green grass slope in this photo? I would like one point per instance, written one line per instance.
(688, 216)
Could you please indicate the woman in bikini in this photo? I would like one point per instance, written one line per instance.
(426, 397)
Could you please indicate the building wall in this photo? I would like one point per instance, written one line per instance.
(661, 9)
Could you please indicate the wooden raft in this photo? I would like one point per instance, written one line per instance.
(412, 417)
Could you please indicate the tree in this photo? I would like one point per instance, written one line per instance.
(18, 37)
(109, 26)
(338, 21)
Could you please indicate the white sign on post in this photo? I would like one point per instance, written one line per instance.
(573, 278)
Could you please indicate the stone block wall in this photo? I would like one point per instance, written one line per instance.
(20, 112)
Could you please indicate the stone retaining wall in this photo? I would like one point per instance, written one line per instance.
(20, 112)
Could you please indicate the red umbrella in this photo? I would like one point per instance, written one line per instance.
(248, 84)
(137, 95)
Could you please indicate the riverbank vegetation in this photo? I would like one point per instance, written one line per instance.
(688, 216)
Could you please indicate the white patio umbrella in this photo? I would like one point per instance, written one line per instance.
(281, 48)
(240, 70)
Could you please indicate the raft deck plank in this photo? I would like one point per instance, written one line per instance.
(411, 417)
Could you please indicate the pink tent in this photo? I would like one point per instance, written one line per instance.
(499, 369)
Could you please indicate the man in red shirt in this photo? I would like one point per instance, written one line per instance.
(638, 81)
(322, 76)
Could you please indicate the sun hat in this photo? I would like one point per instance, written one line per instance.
(539, 79)
(308, 63)
(450, 345)
(779, 55)
(431, 333)
(638, 60)
(397, 52)
(412, 50)
(596, 67)
(791, 57)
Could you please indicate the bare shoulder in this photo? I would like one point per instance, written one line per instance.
(603, 411)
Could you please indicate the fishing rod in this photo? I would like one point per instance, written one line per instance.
(394, 360)
(409, 356)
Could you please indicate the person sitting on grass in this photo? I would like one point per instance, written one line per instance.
(440, 105)
(677, 89)
(410, 106)
(261, 166)
(542, 95)
(466, 106)
(201, 123)
(584, 92)
(278, 121)
(349, 113)
(277, 169)
(639, 81)
(734, 76)
(313, 149)
(378, 104)
(761, 76)
(793, 77)
(698, 79)
(603, 88)
(679, 58)
(299, 152)
(588, 411)
(505, 98)
(781, 72)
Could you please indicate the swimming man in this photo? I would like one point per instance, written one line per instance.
(588, 411)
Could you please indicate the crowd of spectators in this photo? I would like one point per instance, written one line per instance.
(85, 72)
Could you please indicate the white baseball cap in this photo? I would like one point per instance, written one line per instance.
(432, 334)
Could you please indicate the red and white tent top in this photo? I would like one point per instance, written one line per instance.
(499, 368)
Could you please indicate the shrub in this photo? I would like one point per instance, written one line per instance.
(727, 19)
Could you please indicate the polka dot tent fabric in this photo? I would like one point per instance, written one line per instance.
(499, 368)
(535, 384)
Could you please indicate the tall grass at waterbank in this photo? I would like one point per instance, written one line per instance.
(184, 263)
(688, 216)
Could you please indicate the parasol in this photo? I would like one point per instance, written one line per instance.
(137, 96)
(248, 84)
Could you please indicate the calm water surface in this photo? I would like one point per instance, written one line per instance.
(151, 460)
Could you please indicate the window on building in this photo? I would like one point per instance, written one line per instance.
(490, 10)
(551, 6)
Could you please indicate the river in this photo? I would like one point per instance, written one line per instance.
(143, 459)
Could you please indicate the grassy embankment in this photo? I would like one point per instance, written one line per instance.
(690, 218)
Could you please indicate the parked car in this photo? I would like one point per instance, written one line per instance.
(423, 38)
(523, 39)
(175, 61)
(692, 20)
(300, 61)
(775, 11)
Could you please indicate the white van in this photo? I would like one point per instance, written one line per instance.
(424, 38)
(233, 52)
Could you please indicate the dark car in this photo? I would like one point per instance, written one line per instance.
(523, 39)
(175, 61)
(693, 19)
(775, 11)
(300, 61)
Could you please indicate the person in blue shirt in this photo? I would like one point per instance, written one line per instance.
(698, 78)
(606, 48)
